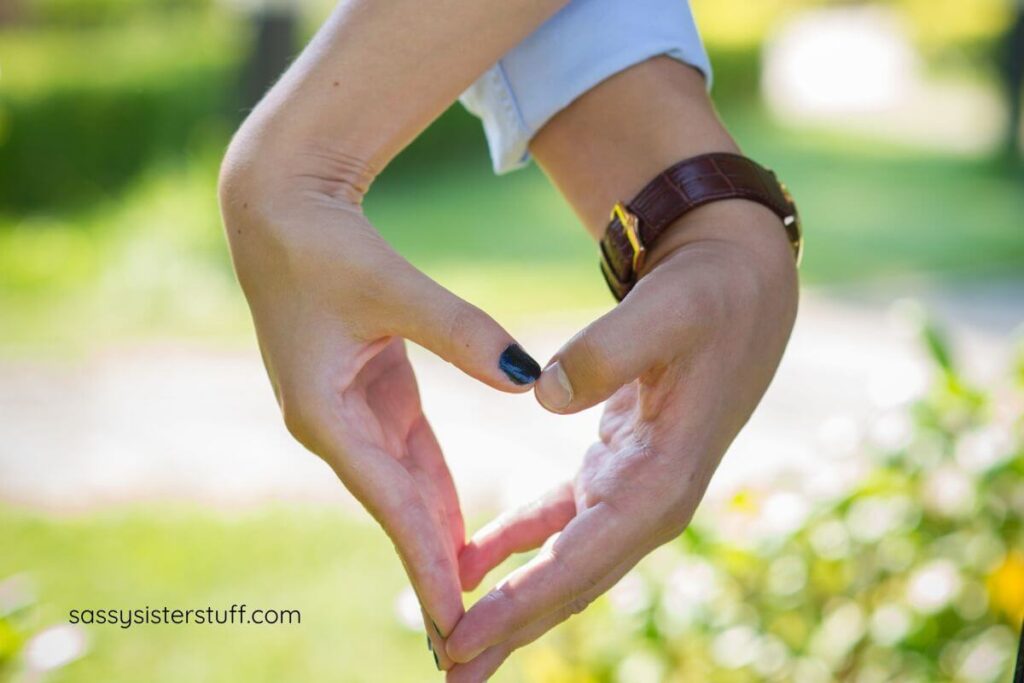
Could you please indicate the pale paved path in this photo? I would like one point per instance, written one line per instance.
(197, 424)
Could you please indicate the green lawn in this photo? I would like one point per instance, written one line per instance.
(339, 571)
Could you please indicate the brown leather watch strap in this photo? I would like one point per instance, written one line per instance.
(635, 226)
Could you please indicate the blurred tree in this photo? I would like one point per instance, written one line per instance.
(1013, 73)
(10, 11)
(1018, 677)
(274, 43)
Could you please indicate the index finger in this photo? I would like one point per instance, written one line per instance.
(563, 575)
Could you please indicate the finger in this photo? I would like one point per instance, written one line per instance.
(387, 490)
(433, 472)
(459, 332)
(515, 532)
(649, 328)
(562, 575)
(435, 641)
(487, 663)
(424, 547)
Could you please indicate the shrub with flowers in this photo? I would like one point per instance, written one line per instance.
(903, 561)
(28, 653)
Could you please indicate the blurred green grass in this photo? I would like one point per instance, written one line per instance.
(337, 569)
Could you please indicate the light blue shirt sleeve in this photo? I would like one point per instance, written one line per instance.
(586, 42)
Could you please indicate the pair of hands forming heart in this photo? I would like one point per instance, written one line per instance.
(682, 362)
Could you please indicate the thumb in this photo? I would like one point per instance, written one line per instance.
(462, 334)
(620, 346)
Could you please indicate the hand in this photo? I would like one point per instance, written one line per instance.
(684, 359)
(332, 302)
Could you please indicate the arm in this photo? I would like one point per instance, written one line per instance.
(374, 76)
(683, 361)
(331, 301)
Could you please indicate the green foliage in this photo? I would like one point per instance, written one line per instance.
(11, 642)
(83, 113)
(80, 13)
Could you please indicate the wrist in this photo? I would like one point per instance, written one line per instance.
(271, 160)
(739, 224)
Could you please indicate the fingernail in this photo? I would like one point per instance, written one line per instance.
(430, 644)
(554, 390)
(437, 662)
(437, 629)
(518, 365)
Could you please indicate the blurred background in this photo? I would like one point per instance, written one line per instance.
(865, 527)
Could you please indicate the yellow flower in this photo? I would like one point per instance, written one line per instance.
(544, 664)
(744, 500)
(1006, 587)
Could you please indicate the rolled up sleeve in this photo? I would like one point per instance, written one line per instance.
(586, 42)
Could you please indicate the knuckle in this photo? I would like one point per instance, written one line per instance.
(513, 618)
(578, 604)
(585, 582)
(300, 416)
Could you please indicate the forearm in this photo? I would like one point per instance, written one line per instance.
(376, 74)
(611, 141)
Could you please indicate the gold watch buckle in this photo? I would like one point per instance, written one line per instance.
(793, 228)
(631, 226)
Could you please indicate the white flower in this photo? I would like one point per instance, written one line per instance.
(735, 647)
(869, 519)
(407, 610)
(830, 540)
(640, 667)
(987, 656)
(787, 575)
(984, 448)
(933, 586)
(842, 628)
(631, 594)
(949, 491)
(808, 670)
(890, 624)
(772, 655)
(55, 647)
(783, 513)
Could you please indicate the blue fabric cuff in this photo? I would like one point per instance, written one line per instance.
(586, 42)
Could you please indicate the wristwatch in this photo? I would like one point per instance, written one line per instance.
(635, 226)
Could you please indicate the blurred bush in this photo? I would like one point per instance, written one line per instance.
(93, 91)
(27, 652)
(81, 13)
(83, 112)
(905, 563)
